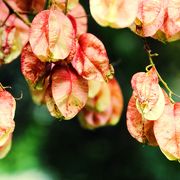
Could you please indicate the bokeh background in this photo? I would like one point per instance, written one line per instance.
(47, 149)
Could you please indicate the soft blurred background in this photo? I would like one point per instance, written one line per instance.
(47, 149)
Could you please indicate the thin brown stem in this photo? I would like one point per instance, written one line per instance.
(17, 13)
(79, 17)
(4, 22)
(66, 7)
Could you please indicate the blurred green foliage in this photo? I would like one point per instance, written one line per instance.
(63, 150)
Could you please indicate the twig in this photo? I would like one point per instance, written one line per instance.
(151, 55)
(66, 7)
(19, 98)
(5, 87)
(17, 13)
(79, 17)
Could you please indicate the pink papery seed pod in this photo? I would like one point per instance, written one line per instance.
(139, 128)
(51, 35)
(150, 17)
(91, 60)
(114, 13)
(4, 13)
(27, 6)
(104, 106)
(69, 91)
(7, 112)
(149, 97)
(13, 36)
(167, 131)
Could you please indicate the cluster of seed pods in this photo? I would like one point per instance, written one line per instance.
(151, 116)
(159, 19)
(68, 69)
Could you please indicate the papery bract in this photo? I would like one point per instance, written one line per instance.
(32, 68)
(38, 93)
(38, 90)
(77, 14)
(168, 155)
(36, 74)
(51, 35)
(4, 13)
(21, 28)
(116, 101)
(104, 108)
(155, 111)
(139, 128)
(114, 13)
(145, 86)
(27, 6)
(99, 96)
(69, 91)
(13, 36)
(94, 88)
(103, 99)
(7, 111)
(60, 35)
(167, 130)
(91, 119)
(149, 96)
(171, 26)
(91, 60)
(5, 148)
(10, 46)
(50, 103)
(151, 15)
(80, 16)
(38, 5)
